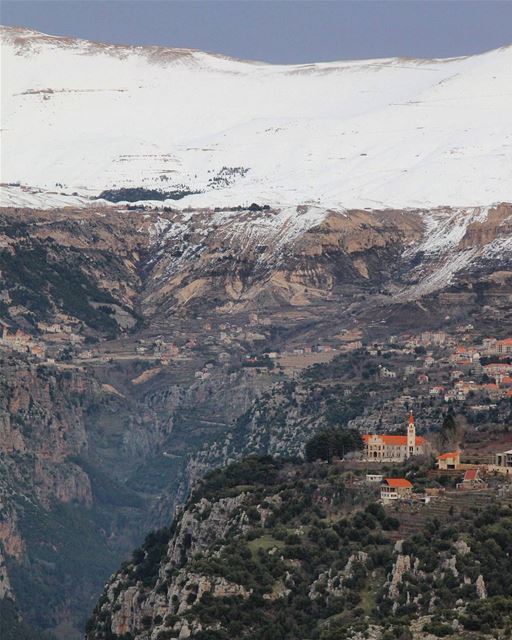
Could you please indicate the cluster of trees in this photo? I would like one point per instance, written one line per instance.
(38, 279)
(253, 470)
(333, 443)
(134, 194)
(303, 544)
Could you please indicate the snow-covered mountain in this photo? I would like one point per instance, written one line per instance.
(81, 117)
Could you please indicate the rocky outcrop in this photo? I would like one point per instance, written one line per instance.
(68, 447)
(5, 584)
(128, 437)
(401, 566)
(175, 587)
(481, 590)
(248, 552)
(162, 265)
(332, 582)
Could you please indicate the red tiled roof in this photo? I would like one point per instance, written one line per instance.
(397, 441)
(506, 341)
(491, 365)
(471, 474)
(447, 456)
(398, 483)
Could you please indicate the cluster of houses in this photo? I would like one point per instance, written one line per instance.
(395, 448)
(497, 375)
(22, 342)
(461, 389)
(489, 347)
(51, 337)
(449, 368)
(451, 461)
(401, 489)
(488, 360)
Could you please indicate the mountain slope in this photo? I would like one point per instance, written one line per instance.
(265, 550)
(393, 132)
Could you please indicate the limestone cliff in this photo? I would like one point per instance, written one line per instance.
(147, 387)
(266, 549)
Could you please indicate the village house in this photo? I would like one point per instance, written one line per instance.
(436, 391)
(465, 355)
(504, 459)
(472, 480)
(450, 460)
(55, 327)
(395, 489)
(386, 373)
(37, 350)
(433, 337)
(374, 477)
(489, 346)
(504, 347)
(351, 346)
(322, 348)
(395, 448)
(497, 368)
(464, 388)
(481, 408)
(491, 390)
(19, 341)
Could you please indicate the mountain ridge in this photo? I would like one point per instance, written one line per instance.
(222, 132)
(25, 32)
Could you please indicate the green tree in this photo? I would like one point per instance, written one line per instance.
(328, 443)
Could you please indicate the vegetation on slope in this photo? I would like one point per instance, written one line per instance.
(35, 280)
(309, 555)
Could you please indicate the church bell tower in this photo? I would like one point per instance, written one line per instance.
(411, 437)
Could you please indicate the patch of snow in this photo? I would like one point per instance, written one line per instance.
(440, 277)
(17, 196)
(445, 228)
(391, 132)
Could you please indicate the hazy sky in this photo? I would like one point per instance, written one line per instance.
(285, 31)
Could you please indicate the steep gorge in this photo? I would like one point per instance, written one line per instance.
(98, 449)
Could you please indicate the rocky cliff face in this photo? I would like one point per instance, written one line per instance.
(157, 267)
(83, 463)
(246, 260)
(265, 548)
(97, 445)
